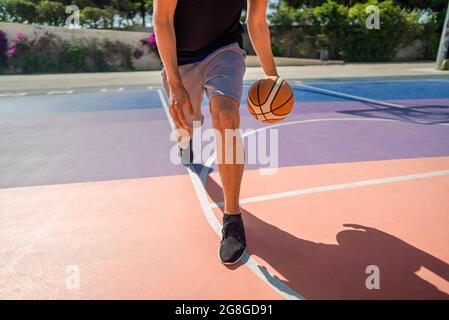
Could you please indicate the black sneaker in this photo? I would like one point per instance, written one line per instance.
(186, 154)
(233, 244)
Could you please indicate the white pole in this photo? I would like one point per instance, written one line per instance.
(444, 43)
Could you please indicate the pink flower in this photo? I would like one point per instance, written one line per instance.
(21, 37)
(12, 50)
(152, 39)
(150, 43)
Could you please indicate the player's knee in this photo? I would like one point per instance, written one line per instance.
(225, 113)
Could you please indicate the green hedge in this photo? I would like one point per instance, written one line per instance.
(342, 31)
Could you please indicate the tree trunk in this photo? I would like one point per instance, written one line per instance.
(143, 12)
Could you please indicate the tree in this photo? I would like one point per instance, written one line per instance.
(92, 17)
(143, 6)
(50, 12)
(405, 4)
(109, 13)
(22, 11)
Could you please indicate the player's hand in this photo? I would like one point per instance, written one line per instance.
(273, 77)
(179, 101)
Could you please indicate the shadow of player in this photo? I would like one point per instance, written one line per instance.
(427, 114)
(338, 271)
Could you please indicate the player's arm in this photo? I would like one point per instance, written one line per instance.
(260, 35)
(164, 11)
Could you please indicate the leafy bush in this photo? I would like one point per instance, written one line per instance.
(341, 29)
(432, 30)
(72, 56)
(348, 37)
(333, 24)
(397, 27)
(277, 51)
(96, 57)
(118, 54)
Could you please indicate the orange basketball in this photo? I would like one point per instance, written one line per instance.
(270, 100)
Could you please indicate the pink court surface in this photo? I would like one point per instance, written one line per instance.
(91, 206)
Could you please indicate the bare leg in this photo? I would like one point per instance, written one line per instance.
(225, 115)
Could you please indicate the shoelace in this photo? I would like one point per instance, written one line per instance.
(232, 229)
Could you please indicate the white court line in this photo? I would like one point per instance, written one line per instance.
(210, 161)
(201, 193)
(112, 90)
(334, 187)
(20, 94)
(60, 92)
(283, 124)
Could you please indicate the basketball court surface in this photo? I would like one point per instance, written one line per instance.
(87, 186)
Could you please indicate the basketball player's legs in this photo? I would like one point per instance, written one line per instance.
(224, 72)
(226, 120)
(221, 76)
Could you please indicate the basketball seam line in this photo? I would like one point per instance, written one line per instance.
(258, 99)
(274, 84)
(283, 104)
(263, 113)
(275, 94)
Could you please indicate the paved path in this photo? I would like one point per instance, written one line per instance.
(117, 80)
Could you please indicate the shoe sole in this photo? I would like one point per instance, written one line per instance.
(230, 263)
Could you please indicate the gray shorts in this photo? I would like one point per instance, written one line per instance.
(219, 74)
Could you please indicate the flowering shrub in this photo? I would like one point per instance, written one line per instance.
(151, 44)
(47, 53)
(118, 55)
(36, 55)
(20, 39)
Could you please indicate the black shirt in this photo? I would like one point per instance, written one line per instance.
(202, 26)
